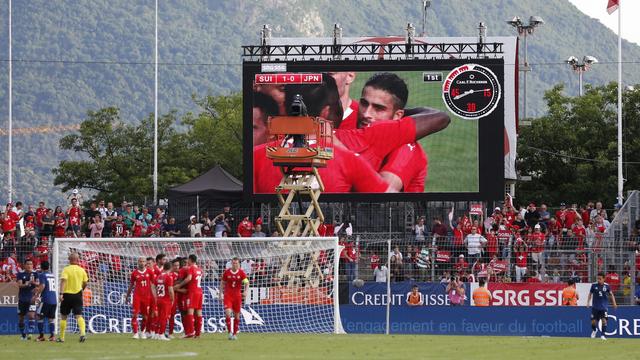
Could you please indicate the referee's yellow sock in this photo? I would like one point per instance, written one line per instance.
(82, 326)
(63, 328)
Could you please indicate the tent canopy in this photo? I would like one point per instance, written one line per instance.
(216, 183)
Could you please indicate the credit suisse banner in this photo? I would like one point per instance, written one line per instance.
(375, 294)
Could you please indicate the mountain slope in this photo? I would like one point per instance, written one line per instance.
(80, 55)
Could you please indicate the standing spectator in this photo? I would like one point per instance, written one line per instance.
(598, 211)
(102, 210)
(521, 254)
(612, 278)
(419, 231)
(580, 233)
(47, 221)
(396, 260)
(545, 216)
(228, 217)
(537, 244)
(108, 217)
(245, 228)
(475, 242)
(344, 229)
(258, 231)
(160, 216)
(220, 225)
(439, 232)
(414, 298)
(571, 215)
(562, 211)
(626, 285)
(145, 217)
(458, 240)
(170, 229)
(504, 239)
(41, 211)
(96, 227)
(194, 227)
(380, 273)
(351, 256)
(128, 216)
(532, 216)
(455, 290)
(637, 294)
(423, 263)
(119, 227)
(492, 243)
(89, 217)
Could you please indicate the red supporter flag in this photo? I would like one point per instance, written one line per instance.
(612, 6)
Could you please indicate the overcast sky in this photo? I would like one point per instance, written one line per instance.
(630, 11)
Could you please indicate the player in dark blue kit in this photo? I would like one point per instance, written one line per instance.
(27, 281)
(600, 293)
(48, 301)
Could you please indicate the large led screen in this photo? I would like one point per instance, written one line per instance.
(402, 129)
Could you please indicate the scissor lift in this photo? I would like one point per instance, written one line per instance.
(304, 144)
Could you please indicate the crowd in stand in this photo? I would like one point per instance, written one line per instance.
(529, 244)
(28, 232)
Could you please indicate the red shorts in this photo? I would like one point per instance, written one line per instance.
(233, 302)
(194, 301)
(164, 311)
(181, 302)
(141, 305)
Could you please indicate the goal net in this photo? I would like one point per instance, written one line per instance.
(293, 281)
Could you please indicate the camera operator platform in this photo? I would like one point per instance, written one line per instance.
(304, 144)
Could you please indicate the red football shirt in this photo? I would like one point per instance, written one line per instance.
(163, 283)
(74, 215)
(537, 242)
(233, 282)
(347, 172)
(142, 283)
(378, 140)
(118, 228)
(8, 224)
(195, 285)
(492, 244)
(350, 116)
(409, 162)
(59, 226)
(40, 213)
(521, 259)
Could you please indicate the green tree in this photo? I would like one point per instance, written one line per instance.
(571, 153)
(118, 158)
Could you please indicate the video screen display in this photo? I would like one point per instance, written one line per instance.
(428, 129)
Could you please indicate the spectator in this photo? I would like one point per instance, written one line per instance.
(96, 226)
(521, 254)
(380, 273)
(419, 231)
(626, 285)
(475, 242)
(537, 245)
(228, 217)
(109, 215)
(41, 211)
(194, 227)
(245, 228)
(532, 216)
(48, 221)
(396, 261)
(598, 211)
(414, 298)
(144, 217)
(545, 215)
(258, 231)
(351, 256)
(220, 225)
(461, 265)
(344, 229)
(129, 216)
(455, 290)
(89, 217)
(439, 232)
(481, 296)
(637, 294)
(519, 223)
(612, 278)
(171, 229)
(423, 263)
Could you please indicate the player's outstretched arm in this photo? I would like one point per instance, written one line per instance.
(428, 120)
(613, 300)
(129, 291)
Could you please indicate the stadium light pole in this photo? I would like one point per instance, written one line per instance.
(155, 113)
(425, 5)
(10, 154)
(524, 31)
(581, 67)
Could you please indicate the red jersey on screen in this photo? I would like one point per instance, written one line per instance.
(142, 283)
(350, 116)
(347, 172)
(163, 283)
(375, 142)
(195, 286)
(233, 282)
(409, 162)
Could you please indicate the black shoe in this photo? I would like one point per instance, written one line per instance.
(83, 338)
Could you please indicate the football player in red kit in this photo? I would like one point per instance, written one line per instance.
(181, 293)
(175, 268)
(235, 287)
(165, 300)
(193, 302)
(141, 281)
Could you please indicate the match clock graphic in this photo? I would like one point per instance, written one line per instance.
(471, 91)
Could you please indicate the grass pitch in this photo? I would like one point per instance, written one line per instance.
(329, 347)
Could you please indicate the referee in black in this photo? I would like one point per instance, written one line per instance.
(72, 281)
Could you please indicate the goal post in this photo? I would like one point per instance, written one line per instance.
(293, 284)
